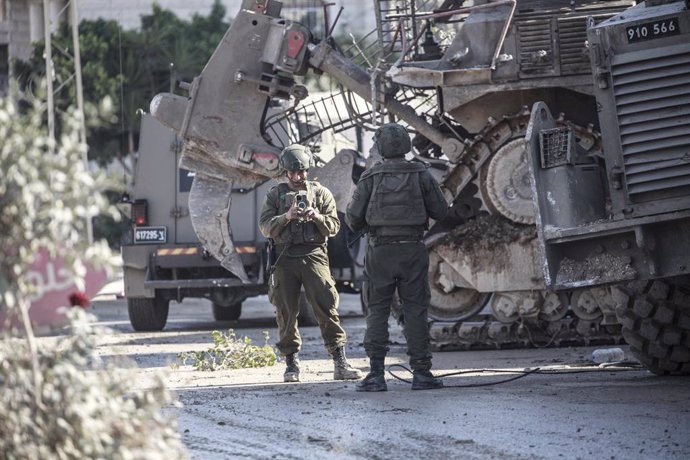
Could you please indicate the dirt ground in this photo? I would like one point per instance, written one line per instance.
(250, 413)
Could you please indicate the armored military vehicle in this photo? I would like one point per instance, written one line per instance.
(163, 258)
(625, 216)
(462, 76)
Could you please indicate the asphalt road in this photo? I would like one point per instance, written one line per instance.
(249, 413)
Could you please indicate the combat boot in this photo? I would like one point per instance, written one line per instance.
(342, 369)
(292, 368)
(375, 379)
(425, 380)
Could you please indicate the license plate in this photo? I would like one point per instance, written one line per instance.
(145, 235)
(652, 30)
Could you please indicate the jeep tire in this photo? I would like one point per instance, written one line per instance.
(655, 319)
(148, 314)
(229, 313)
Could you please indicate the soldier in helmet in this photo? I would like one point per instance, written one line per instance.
(300, 215)
(394, 201)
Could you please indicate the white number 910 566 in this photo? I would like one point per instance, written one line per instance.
(652, 30)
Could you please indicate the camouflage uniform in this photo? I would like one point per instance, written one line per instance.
(394, 200)
(396, 258)
(304, 263)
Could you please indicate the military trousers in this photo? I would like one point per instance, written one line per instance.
(403, 267)
(312, 272)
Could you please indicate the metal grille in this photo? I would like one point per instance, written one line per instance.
(536, 48)
(652, 95)
(389, 29)
(554, 146)
(572, 36)
(339, 111)
(305, 123)
(385, 42)
(552, 42)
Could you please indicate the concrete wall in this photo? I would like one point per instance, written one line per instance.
(15, 37)
(21, 23)
(16, 29)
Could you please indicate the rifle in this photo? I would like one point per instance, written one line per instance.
(358, 235)
(272, 259)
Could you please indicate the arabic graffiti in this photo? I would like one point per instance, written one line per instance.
(50, 279)
(55, 286)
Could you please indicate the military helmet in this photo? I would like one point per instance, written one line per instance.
(296, 157)
(392, 140)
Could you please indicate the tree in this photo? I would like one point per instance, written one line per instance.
(47, 196)
(123, 69)
(58, 400)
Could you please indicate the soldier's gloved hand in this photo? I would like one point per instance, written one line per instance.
(311, 213)
(294, 212)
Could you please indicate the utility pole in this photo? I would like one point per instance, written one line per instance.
(74, 19)
(79, 91)
(49, 75)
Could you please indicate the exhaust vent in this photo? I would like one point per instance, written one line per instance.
(652, 95)
(572, 35)
(536, 47)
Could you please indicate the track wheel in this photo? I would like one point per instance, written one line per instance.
(449, 302)
(148, 314)
(229, 313)
(655, 320)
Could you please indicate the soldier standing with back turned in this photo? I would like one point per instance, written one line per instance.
(300, 229)
(394, 200)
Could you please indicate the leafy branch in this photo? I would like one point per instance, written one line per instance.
(230, 352)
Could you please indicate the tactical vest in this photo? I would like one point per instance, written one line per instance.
(396, 205)
(299, 232)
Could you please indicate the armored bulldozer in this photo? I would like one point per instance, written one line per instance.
(617, 227)
(462, 76)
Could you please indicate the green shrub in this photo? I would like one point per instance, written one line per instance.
(84, 407)
(229, 352)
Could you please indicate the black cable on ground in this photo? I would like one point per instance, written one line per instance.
(606, 367)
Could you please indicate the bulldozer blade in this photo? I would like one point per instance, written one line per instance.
(220, 120)
(342, 186)
(209, 206)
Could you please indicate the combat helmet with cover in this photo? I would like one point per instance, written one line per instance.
(296, 157)
(392, 140)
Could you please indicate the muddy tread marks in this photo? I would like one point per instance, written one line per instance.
(656, 326)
